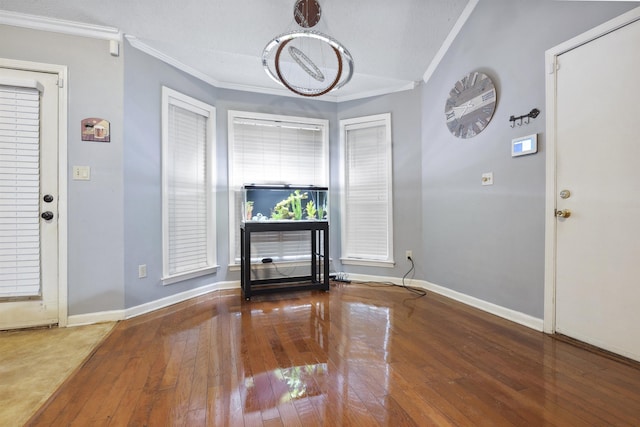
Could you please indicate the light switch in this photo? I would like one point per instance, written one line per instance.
(487, 178)
(81, 173)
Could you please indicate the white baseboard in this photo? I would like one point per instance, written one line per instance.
(91, 318)
(174, 299)
(506, 313)
(115, 315)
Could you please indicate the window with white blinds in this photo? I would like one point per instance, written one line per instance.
(19, 192)
(188, 206)
(273, 149)
(367, 220)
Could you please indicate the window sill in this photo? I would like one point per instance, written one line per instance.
(169, 280)
(368, 262)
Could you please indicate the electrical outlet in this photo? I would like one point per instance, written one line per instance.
(408, 254)
(487, 178)
(142, 271)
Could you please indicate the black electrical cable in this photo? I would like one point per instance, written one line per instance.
(417, 291)
(292, 269)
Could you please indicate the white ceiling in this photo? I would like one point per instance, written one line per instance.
(392, 42)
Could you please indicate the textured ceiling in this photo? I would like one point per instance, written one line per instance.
(392, 42)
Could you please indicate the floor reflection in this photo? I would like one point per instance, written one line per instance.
(329, 353)
(284, 385)
(358, 355)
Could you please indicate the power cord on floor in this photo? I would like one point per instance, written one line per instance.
(342, 277)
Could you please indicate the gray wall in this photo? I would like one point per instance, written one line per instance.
(488, 242)
(407, 209)
(95, 208)
(144, 78)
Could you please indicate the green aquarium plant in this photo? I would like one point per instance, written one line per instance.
(281, 210)
(289, 208)
(296, 204)
(311, 210)
(321, 211)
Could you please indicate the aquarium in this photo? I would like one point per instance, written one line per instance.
(285, 203)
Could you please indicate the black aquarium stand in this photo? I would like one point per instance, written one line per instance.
(319, 278)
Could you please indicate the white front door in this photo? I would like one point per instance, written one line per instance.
(28, 198)
(598, 192)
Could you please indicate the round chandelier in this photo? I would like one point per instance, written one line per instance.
(307, 62)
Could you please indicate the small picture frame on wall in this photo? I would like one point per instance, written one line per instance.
(95, 129)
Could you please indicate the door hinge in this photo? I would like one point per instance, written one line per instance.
(553, 67)
(60, 83)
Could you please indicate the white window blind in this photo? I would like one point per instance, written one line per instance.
(270, 149)
(189, 242)
(367, 198)
(19, 192)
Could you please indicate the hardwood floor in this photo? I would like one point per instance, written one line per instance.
(355, 356)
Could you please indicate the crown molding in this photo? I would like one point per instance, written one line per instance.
(457, 27)
(42, 23)
(136, 43)
(143, 47)
(62, 26)
(379, 92)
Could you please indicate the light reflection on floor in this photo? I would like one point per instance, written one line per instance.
(330, 361)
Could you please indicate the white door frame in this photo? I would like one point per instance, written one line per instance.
(61, 71)
(551, 56)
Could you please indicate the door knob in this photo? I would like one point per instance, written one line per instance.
(48, 215)
(48, 198)
(564, 213)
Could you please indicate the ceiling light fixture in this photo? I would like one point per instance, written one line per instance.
(313, 63)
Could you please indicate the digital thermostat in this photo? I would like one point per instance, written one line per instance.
(524, 145)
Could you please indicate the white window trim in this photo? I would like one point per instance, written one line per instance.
(364, 122)
(232, 116)
(170, 96)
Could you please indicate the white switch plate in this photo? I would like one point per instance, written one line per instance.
(142, 271)
(81, 173)
(487, 178)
